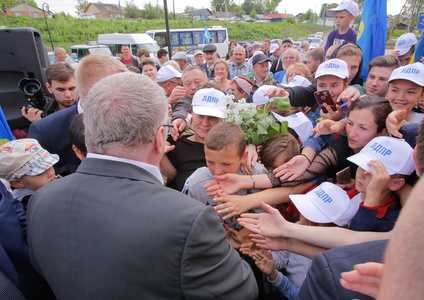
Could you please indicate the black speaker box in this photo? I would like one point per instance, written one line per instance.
(22, 55)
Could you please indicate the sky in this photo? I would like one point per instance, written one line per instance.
(286, 6)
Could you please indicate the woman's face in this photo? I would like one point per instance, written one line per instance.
(289, 58)
(220, 70)
(360, 128)
(202, 124)
(294, 73)
(237, 94)
(150, 71)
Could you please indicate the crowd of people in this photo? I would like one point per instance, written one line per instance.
(137, 185)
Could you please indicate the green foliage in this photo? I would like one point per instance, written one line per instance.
(253, 14)
(326, 6)
(81, 6)
(11, 2)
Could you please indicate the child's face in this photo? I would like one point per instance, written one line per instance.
(38, 181)
(333, 84)
(279, 161)
(404, 94)
(343, 19)
(362, 180)
(377, 81)
(224, 161)
(405, 59)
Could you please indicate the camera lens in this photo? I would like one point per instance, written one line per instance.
(31, 88)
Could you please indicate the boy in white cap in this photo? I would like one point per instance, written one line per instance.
(405, 47)
(27, 167)
(383, 165)
(344, 14)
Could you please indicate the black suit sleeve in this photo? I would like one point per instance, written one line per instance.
(302, 96)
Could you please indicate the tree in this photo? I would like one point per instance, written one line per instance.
(256, 5)
(151, 11)
(189, 8)
(310, 16)
(271, 6)
(11, 2)
(221, 5)
(81, 6)
(236, 10)
(324, 8)
(131, 10)
(252, 14)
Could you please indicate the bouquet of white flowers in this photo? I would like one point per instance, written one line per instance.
(258, 124)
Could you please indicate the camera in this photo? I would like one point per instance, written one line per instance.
(31, 88)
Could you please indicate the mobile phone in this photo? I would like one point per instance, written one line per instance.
(343, 176)
(325, 97)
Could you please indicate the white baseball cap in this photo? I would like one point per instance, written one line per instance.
(335, 67)
(350, 6)
(327, 203)
(167, 73)
(405, 42)
(258, 96)
(210, 102)
(299, 123)
(395, 154)
(299, 81)
(273, 48)
(413, 72)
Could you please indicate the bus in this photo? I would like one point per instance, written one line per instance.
(192, 37)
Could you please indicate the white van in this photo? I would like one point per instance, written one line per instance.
(79, 51)
(136, 41)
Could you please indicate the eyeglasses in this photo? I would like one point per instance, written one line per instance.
(168, 128)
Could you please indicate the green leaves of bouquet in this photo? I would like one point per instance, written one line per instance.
(258, 125)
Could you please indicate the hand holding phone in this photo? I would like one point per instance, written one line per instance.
(325, 97)
(343, 176)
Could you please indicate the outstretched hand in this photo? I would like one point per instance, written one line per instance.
(292, 169)
(394, 121)
(365, 278)
(270, 224)
(231, 205)
(228, 184)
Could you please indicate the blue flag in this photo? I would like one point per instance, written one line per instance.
(206, 35)
(419, 50)
(5, 133)
(372, 32)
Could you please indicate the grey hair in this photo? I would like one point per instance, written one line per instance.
(123, 110)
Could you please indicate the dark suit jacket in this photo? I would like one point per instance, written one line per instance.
(113, 231)
(323, 278)
(52, 134)
(210, 74)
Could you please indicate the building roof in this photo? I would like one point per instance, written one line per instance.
(19, 7)
(198, 12)
(110, 8)
(279, 16)
(223, 14)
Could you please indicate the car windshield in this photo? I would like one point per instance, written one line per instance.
(151, 47)
(104, 50)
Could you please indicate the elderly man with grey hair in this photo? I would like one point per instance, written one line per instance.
(304, 47)
(239, 66)
(59, 55)
(112, 230)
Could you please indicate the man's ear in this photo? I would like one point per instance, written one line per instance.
(396, 184)
(16, 183)
(160, 139)
(49, 88)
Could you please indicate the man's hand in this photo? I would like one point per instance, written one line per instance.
(177, 93)
(32, 114)
(178, 125)
(336, 115)
(349, 94)
(276, 92)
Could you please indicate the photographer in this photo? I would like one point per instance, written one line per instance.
(61, 83)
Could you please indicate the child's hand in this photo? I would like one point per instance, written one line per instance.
(228, 183)
(234, 238)
(394, 121)
(292, 169)
(331, 114)
(378, 183)
(232, 205)
(328, 127)
(264, 261)
(252, 158)
(248, 248)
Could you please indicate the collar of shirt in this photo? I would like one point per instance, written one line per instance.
(79, 107)
(148, 167)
